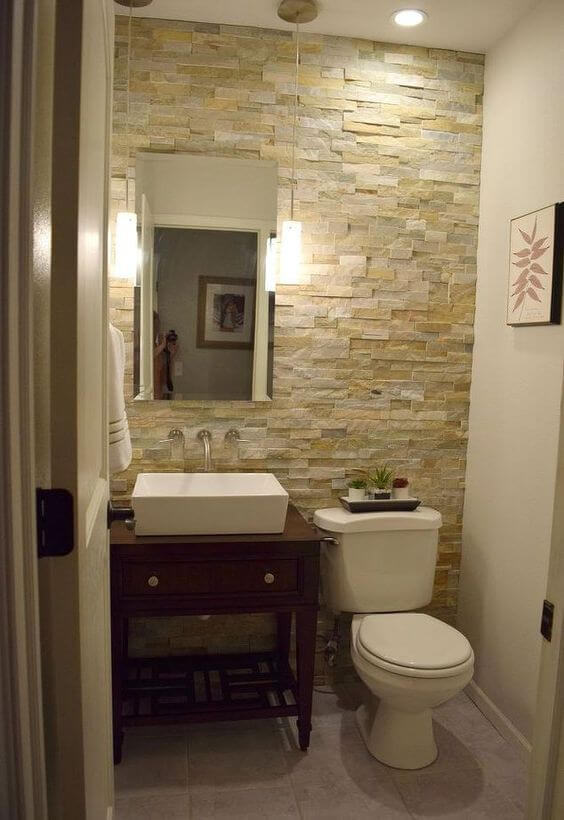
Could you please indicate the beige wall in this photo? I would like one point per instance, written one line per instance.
(517, 375)
(388, 165)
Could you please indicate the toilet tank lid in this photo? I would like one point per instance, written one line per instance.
(337, 519)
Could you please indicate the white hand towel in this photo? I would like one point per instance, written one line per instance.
(119, 440)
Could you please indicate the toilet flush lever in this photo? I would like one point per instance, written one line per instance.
(328, 539)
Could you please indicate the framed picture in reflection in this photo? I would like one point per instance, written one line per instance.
(226, 312)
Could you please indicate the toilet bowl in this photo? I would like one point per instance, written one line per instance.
(411, 663)
(381, 567)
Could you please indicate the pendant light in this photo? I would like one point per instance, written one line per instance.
(126, 221)
(293, 11)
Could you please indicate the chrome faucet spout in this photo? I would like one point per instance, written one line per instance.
(205, 437)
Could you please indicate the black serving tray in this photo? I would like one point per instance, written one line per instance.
(380, 504)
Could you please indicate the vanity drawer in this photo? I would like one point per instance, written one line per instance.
(277, 576)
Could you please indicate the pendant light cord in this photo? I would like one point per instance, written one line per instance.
(127, 106)
(296, 84)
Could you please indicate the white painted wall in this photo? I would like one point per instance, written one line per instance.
(517, 375)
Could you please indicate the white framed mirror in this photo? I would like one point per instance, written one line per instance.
(203, 300)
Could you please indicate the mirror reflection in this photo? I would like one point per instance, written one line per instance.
(203, 313)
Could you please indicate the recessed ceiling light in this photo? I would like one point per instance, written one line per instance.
(409, 17)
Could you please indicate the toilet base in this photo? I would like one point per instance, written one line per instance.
(403, 740)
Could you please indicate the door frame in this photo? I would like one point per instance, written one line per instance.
(546, 780)
(22, 767)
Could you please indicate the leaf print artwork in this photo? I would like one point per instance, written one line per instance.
(527, 284)
(536, 267)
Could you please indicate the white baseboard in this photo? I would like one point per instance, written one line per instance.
(502, 723)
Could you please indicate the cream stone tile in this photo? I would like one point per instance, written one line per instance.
(374, 230)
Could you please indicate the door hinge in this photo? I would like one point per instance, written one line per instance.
(547, 620)
(55, 522)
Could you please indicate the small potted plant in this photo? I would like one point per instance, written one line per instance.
(400, 488)
(381, 480)
(357, 489)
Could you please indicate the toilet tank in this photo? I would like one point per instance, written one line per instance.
(378, 562)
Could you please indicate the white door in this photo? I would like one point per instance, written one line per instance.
(74, 590)
(26, 30)
(146, 385)
(546, 790)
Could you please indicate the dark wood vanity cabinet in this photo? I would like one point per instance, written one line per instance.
(156, 576)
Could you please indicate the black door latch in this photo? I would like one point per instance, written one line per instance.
(547, 620)
(55, 522)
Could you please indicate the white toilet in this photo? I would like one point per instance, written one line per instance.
(385, 563)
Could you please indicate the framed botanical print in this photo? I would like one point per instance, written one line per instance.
(534, 295)
(226, 312)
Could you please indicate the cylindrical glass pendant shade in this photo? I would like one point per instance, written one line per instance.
(126, 246)
(290, 252)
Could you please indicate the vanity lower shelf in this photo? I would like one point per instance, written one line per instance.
(200, 688)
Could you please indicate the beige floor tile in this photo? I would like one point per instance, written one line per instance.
(153, 807)
(164, 730)
(513, 787)
(454, 756)
(231, 726)
(250, 770)
(500, 763)
(341, 801)
(465, 795)
(507, 772)
(152, 764)
(228, 760)
(255, 770)
(250, 759)
(203, 741)
(338, 778)
(276, 803)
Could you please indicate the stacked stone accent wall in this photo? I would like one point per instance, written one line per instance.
(373, 347)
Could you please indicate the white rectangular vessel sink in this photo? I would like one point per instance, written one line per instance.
(208, 503)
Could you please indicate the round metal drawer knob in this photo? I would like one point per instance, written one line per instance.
(153, 581)
(269, 578)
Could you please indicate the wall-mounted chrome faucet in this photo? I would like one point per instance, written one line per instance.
(205, 437)
(234, 437)
(176, 440)
(176, 436)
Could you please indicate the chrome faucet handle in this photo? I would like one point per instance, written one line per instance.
(175, 436)
(234, 437)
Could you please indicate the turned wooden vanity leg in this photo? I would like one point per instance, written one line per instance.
(119, 659)
(284, 631)
(306, 628)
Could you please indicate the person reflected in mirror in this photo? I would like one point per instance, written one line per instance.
(165, 349)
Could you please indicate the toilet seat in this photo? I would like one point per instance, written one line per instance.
(413, 644)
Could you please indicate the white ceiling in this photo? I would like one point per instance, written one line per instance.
(466, 25)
